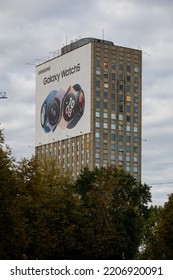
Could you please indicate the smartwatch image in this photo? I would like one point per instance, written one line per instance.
(62, 109)
(51, 110)
(69, 106)
(80, 106)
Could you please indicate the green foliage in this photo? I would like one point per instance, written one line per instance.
(162, 248)
(149, 244)
(104, 214)
(115, 208)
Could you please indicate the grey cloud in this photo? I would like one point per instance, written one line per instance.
(31, 30)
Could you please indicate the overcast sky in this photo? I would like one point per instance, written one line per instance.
(31, 31)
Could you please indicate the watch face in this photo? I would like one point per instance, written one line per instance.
(54, 111)
(69, 107)
(43, 114)
(81, 103)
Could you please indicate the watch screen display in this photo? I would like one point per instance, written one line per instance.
(69, 107)
(81, 103)
(54, 111)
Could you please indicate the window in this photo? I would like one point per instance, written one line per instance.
(135, 169)
(120, 157)
(105, 105)
(97, 114)
(135, 109)
(113, 86)
(127, 138)
(97, 104)
(135, 99)
(113, 106)
(135, 129)
(105, 115)
(113, 137)
(135, 80)
(120, 107)
(120, 148)
(105, 85)
(127, 158)
(121, 77)
(128, 149)
(105, 64)
(120, 117)
(120, 97)
(127, 168)
(105, 136)
(97, 93)
(105, 94)
(128, 108)
(97, 155)
(135, 89)
(98, 62)
(121, 67)
(113, 126)
(127, 127)
(113, 147)
(135, 119)
(105, 125)
(97, 134)
(97, 124)
(113, 95)
(135, 149)
(98, 73)
(136, 69)
(120, 127)
(120, 138)
(128, 118)
(128, 68)
(128, 78)
(105, 74)
(113, 65)
(135, 139)
(98, 84)
(121, 87)
(135, 159)
(113, 76)
(128, 88)
(112, 116)
(97, 145)
(112, 157)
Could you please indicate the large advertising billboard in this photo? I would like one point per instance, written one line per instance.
(63, 87)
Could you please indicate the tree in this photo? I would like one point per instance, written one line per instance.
(149, 248)
(115, 207)
(7, 195)
(163, 246)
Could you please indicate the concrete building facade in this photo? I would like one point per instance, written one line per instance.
(108, 129)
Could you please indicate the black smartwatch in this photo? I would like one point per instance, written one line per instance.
(80, 106)
(51, 110)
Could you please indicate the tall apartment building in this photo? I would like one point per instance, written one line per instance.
(88, 107)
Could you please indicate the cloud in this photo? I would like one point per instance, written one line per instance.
(31, 31)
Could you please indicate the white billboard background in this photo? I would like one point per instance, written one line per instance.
(56, 76)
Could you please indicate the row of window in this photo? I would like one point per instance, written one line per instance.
(120, 157)
(127, 167)
(105, 125)
(119, 87)
(120, 77)
(121, 107)
(113, 137)
(120, 67)
(121, 117)
(120, 147)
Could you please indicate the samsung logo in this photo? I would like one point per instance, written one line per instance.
(44, 70)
